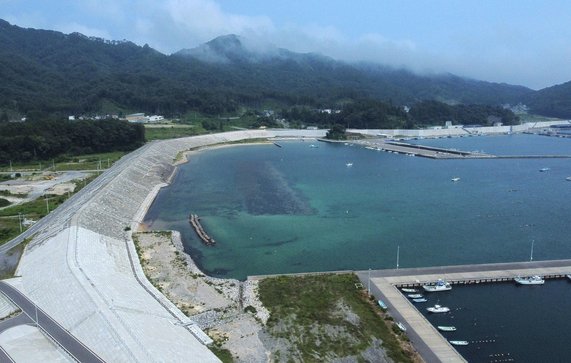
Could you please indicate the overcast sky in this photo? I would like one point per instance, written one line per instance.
(525, 42)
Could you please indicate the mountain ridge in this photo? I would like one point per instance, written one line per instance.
(52, 72)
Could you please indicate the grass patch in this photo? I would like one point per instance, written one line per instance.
(306, 311)
(223, 354)
(69, 162)
(4, 202)
(171, 132)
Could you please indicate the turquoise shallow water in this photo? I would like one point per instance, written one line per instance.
(300, 208)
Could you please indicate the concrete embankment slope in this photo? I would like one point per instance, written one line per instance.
(82, 268)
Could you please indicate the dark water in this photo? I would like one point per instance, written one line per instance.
(297, 208)
(504, 322)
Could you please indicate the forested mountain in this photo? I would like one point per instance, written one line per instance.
(552, 101)
(47, 72)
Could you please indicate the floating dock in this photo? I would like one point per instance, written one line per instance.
(425, 337)
(204, 237)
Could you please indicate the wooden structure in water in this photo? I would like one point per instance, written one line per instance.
(204, 237)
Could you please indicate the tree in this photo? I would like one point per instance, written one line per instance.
(337, 132)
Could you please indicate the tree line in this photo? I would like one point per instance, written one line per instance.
(46, 139)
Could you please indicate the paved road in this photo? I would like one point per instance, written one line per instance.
(68, 342)
(421, 347)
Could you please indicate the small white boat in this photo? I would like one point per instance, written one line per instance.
(455, 179)
(530, 280)
(568, 178)
(404, 289)
(401, 326)
(446, 328)
(440, 285)
(421, 300)
(349, 165)
(458, 342)
(415, 296)
(313, 146)
(544, 169)
(438, 309)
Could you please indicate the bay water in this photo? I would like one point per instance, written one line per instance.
(322, 207)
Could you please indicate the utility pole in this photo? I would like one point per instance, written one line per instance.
(11, 170)
(20, 220)
(47, 206)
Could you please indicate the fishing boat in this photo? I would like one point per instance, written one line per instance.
(446, 328)
(414, 296)
(349, 165)
(455, 179)
(401, 326)
(421, 300)
(568, 178)
(404, 289)
(440, 285)
(543, 170)
(382, 305)
(438, 309)
(530, 280)
(458, 342)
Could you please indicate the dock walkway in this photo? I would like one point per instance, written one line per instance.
(426, 339)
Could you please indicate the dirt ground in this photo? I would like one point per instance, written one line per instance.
(216, 305)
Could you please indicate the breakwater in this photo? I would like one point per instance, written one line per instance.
(204, 237)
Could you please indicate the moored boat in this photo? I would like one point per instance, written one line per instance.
(458, 342)
(421, 300)
(544, 169)
(455, 179)
(530, 280)
(415, 296)
(568, 178)
(568, 276)
(440, 285)
(404, 289)
(446, 328)
(438, 309)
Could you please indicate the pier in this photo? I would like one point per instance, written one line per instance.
(432, 346)
(204, 237)
(432, 152)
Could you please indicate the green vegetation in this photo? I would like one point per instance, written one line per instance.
(40, 78)
(337, 132)
(223, 354)
(67, 163)
(4, 202)
(324, 316)
(170, 132)
(46, 139)
(433, 112)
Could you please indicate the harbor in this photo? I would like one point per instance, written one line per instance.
(430, 343)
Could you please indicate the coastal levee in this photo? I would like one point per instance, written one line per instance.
(82, 267)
